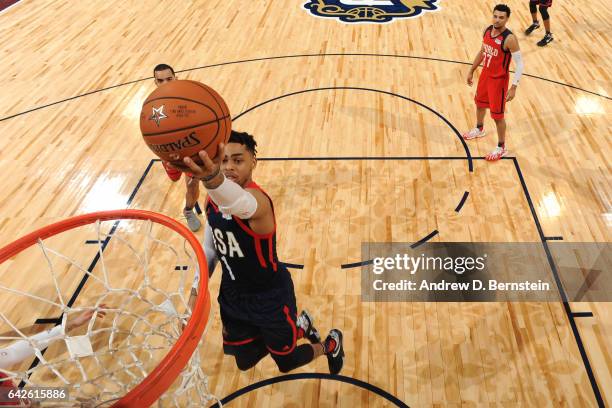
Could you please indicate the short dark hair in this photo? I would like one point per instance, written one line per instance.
(503, 8)
(162, 67)
(244, 139)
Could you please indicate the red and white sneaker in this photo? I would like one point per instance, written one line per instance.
(473, 134)
(172, 173)
(496, 154)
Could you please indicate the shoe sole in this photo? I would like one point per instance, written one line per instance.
(483, 134)
(499, 158)
(545, 44)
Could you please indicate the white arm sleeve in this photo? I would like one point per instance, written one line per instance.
(233, 199)
(21, 349)
(211, 255)
(518, 71)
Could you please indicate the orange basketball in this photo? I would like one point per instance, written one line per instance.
(182, 117)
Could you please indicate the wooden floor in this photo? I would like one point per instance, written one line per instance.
(85, 154)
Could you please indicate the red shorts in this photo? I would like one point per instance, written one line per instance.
(491, 93)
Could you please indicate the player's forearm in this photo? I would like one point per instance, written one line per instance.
(477, 60)
(230, 197)
(21, 349)
(215, 181)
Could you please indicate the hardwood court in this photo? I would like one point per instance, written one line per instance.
(86, 154)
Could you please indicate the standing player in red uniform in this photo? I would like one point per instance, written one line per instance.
(256, 297)
(498, 48)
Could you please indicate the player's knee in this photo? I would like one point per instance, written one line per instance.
(533, 8)
(544, 12)
(300, 356)
(245, 364)
(284, 363)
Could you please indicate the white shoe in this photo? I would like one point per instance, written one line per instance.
(496, 154)
(473, 134)
(192, 220)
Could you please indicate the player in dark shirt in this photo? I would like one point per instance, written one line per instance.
(256, 297)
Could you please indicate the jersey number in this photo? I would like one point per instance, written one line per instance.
(489, 61)
(227, 246)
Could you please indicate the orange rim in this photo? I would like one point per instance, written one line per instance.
(160, 379)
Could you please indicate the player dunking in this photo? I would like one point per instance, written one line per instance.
(256, 296)
(162, 74)
(498, 48)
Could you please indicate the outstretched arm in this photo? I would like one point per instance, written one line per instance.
(247, 204)
(21, 349)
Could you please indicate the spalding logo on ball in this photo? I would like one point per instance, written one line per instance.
(182, 117)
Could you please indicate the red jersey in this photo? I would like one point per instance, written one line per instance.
(496, 63)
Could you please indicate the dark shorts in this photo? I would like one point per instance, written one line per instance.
(267, 318)
(543, 3)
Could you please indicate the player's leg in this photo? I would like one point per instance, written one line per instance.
(482, 103)
(548, 37)
(281, 332)
(242, 340)
(191, 197)
(533, 9)
(498, 91)
(248, 355)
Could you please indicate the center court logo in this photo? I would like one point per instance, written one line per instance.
(369, 11)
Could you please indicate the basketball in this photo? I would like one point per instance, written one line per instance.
(182, 117)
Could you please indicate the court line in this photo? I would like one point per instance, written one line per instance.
(566, 306)
(468, 156)
(558, 238)
(463, 199)
(354, 88)
(309, 376)
(294, 56)
(357, 54)
(424, 239)
(582, 314)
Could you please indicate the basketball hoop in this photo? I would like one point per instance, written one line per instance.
(148, 312)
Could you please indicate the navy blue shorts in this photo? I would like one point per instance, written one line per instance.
(267, 318)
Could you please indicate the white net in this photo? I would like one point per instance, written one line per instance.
(121, 300)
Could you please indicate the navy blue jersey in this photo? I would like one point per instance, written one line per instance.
(248, 259)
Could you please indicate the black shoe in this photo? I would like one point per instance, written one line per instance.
(534, 26)
(306, 323)
(547, 39)
(335, 357)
